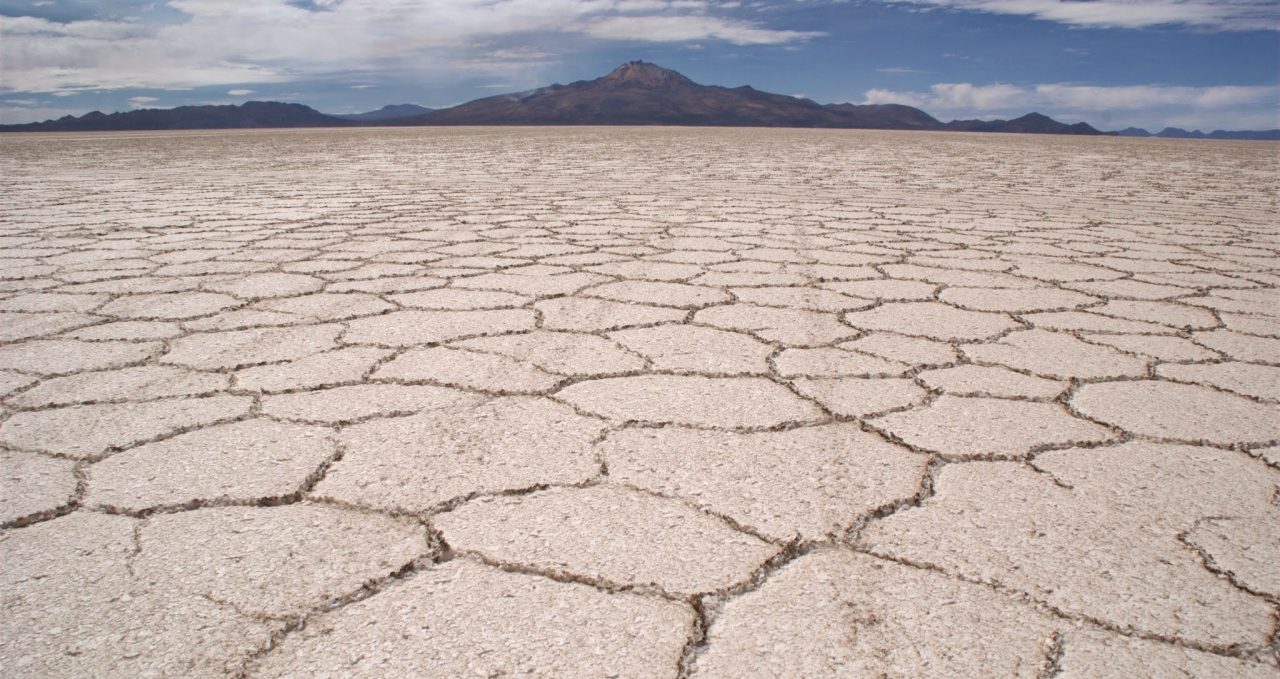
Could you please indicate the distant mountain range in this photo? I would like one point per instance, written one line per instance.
(249, 114)
(1179, 133)
(1032, 123)
(388, 112)
(635, 93)
(639, 93)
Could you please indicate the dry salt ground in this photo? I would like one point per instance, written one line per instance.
(638, 403)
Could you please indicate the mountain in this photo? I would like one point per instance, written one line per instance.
(635, 93)
(1179, 133)
(1256, 135)
(1262, 135)
(904, 117)
(388, 112)
(249, 114)
(1032, 123)
(640, 93)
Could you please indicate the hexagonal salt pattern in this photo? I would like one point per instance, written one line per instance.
(784, 403)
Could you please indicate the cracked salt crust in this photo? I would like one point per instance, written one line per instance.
(274, 561)
(976, 426)
(417, 462)
(63, 357)
(463, 617)
(33, 484)
(1180, 411)
(787, 403)
(852, 397)
(241, 348)
(20, 326)
(468, 370)
(729, 402)
(241, 461)
(86, 431)
(1112, 529)
(608, 533)
(839, 614)
(570, 354)
(121, 625)
(142, 383)
(1056, 355)
(795, 327)
(809, 482)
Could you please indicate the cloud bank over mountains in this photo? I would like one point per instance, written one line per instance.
(72, 56)
(210, 42)
(1255, 107)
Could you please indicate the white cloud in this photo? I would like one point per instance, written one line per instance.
(1147, 96)
(953, 96)
(970, 96)
(644, 5)
(883, 96)
(266, 41)
(239, 93)
(1257, 120)
(142, 102)
(1215, 14)
(1239, 107)
(686, 28)
(13, 115)
(96, 30)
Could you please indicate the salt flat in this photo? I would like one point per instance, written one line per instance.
(638, 403)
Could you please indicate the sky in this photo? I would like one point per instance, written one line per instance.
(1207, 64)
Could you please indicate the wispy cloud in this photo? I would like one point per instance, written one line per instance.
(956, 96)
(266, 41)
(656, 28)
(240, 93)
(1149, 96)
(1238, 15)
(25, 114)
(142, 102)
(89, 30)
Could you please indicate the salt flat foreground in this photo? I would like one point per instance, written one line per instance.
(638, 403)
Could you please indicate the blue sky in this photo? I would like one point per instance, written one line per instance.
(1189, 63)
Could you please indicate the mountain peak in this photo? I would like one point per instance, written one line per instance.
(1035, 116)
(643, 74)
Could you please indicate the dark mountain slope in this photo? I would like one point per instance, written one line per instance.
(1261, 135)
(388, 112)
(1032, 123)
(249, 114)
(639, 93)
(1179, 133)
(636, 93)
(903, 117)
